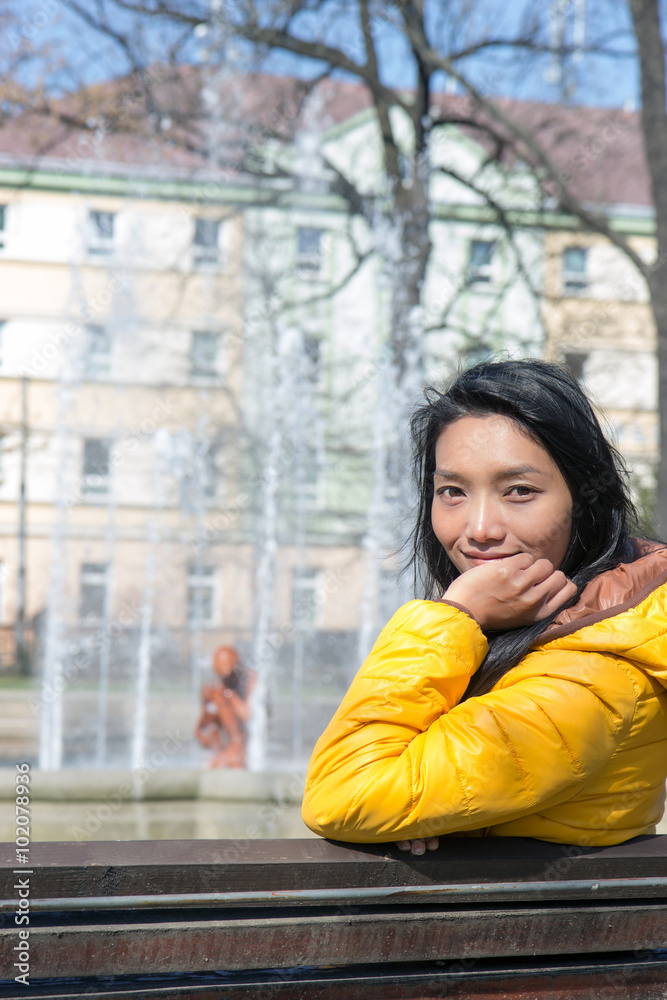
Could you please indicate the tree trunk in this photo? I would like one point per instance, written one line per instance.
(412, 226)
(646, 19)
(658, 291)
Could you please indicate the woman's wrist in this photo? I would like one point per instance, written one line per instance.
(459, 596)
(460, 607)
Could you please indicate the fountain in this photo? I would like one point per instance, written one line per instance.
(269, 489)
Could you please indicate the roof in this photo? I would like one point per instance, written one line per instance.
(214, 120)
(599, 152)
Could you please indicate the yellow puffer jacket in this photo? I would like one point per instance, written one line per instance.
(570, 746)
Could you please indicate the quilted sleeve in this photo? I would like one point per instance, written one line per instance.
(403, 759)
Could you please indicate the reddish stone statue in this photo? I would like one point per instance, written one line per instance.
(222, 725)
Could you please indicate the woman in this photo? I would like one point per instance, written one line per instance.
(524, 696)
(226, 709)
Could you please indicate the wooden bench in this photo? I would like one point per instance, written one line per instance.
(308, 918)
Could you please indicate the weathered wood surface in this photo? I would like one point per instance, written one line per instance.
(634, 978)
(629, 926)
(108, 868)
(274, 940)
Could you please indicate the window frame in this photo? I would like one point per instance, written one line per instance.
(201, 577)
(94, 575)
(480, 273)
(575, 281)
(312, 358)
(309, 263)
(307, 485)
(205, 372)
(305, 579)
(206, 252)
(97, 364)
(95, 485)
(100, 244)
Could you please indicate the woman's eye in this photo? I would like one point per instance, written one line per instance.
(521, 491)
(449, 491)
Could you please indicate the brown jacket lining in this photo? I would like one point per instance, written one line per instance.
(567, 628)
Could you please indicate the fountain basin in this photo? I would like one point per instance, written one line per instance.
(159, 804)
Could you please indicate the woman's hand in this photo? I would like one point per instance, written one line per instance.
(419, 846)
(510, 592)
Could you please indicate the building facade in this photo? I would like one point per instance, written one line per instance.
(197, 408)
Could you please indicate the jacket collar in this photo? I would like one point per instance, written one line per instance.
(614, 591)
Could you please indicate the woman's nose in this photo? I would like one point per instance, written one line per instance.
(484, 523)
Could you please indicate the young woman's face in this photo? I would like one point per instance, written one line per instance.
(498, 492)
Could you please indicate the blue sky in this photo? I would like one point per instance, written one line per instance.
(595, 80)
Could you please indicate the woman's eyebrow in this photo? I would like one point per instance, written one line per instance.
(445, 474)
(519, 470)
(514, 473)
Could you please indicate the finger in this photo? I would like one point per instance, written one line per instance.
(520, 560)
(418, 847)
(544, 589)
(515, 575)
(433, 843)
(559, 586)
(537, 572)
(558, 599)
(403, 845)
(545, 598)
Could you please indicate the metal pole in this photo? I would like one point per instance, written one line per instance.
(21, 652)
(585, 888)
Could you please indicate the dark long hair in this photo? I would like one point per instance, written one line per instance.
(549, 405)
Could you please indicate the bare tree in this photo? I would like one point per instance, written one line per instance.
(651, 55)
(158, 90)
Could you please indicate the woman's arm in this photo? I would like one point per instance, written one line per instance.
(402, 759)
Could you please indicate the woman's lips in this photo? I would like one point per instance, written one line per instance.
(471, 557)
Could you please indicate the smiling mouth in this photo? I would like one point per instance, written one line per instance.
(485, 558)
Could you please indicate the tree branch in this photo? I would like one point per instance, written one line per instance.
(591, 220)
(381, 105)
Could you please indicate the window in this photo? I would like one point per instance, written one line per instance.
(309, 249)
(311, 355)
(305, 581)
(101, 232)
(201, 594)
(307, 477)
(96, 467)
(211, 471)
(575, 261)
(3, 217)
(97, 359)
(480, 261)
(574, 361)
(206, 241)
(204, 355)
(200, 478)
(93, 591)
